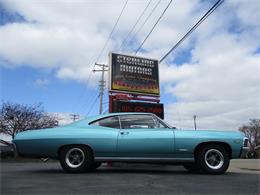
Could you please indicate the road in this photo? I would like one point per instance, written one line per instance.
(243, 177)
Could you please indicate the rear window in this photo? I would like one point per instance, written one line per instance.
(111, 122)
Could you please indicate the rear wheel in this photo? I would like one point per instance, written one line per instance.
(76, 159)
(213, 159)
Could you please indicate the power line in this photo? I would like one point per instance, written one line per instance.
(154, 26)
(106, 111)
(110, 35)
(147, 18)
(91, 107)
(99, 55)
(89, 99)
(207, 14)
(112, 31)
(84, 92)
(76, 106)
(137, 21)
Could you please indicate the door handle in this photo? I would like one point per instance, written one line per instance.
(124, 132)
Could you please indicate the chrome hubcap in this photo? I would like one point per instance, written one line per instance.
(214, 159)
(75, 157)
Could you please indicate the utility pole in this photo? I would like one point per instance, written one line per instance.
(101, 84)
(194, 119)
(74, 117)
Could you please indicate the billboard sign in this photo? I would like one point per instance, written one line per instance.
(126, 106)
(132, 74)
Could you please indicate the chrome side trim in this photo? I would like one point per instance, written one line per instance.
(245, 142)
(244, 149)
(183, 150)
(142, 159)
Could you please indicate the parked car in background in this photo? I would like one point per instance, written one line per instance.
(6, 150)
(131, 137)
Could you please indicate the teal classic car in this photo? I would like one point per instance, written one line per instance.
(131, 137)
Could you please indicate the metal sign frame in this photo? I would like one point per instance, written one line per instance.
(125, 91)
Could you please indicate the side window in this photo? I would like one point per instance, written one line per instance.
(111, 122)
(137, 121)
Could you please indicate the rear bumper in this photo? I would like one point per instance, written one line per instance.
(243, 152)
(15, 150)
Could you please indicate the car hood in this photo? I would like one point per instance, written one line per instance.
(213, 133)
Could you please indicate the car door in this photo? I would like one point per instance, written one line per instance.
(140, 136)
(104, 139)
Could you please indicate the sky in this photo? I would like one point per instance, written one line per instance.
(48, 48)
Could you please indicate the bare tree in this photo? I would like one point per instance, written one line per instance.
(15, 118)
(252, 132)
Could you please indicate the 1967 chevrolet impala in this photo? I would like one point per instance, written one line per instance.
(131, 137)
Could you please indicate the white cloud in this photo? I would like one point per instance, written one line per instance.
(44, 47)
(219, 83)
(42, 83)
(174, 73)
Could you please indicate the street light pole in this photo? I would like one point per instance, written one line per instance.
(194, 119)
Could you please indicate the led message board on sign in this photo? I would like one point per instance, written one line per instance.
(131, 74)
(124, 106)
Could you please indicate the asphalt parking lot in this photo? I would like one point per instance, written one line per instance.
(243, 177)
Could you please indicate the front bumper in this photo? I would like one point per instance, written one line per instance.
(243, 152)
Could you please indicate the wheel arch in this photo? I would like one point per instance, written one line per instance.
(220, 143)
(67, 145)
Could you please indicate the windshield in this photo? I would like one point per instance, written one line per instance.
(164, 122)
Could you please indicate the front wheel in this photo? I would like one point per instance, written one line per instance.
(76, 159)
(213, 159)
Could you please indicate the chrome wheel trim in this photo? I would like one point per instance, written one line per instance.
(214, 159)
(75, 157)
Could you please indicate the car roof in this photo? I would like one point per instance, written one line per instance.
(93, 118)
(124, 113)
